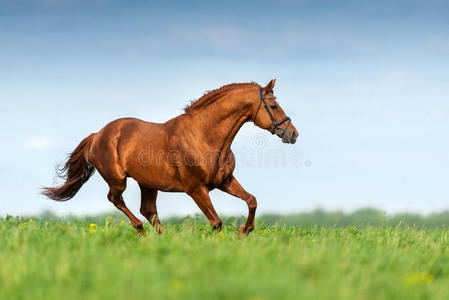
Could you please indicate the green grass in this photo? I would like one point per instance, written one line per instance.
(72, 259)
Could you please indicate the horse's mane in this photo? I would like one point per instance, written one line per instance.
(211, 96)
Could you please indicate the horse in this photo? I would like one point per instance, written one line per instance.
(190, 153)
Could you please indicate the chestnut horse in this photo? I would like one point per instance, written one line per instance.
(190, 153)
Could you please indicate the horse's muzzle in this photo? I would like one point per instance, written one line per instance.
(289, 137)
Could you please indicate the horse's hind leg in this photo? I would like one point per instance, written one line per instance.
(115, 196)
(103, 155)
(148, 208)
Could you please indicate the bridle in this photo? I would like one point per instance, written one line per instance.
(276, 124)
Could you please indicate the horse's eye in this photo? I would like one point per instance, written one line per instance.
(273, 106)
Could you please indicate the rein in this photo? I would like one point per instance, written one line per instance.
(276, 123)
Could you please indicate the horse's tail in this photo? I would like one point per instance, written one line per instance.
(75, 172)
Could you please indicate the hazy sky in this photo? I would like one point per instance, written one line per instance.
(365, 82)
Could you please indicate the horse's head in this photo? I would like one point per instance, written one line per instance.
(269, 115)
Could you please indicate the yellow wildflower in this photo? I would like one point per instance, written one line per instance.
(418, 278)
(177, 284)
(255, 298)
(92, 228)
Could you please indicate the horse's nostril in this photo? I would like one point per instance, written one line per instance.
(294, 136)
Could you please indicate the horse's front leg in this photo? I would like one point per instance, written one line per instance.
(201, 196)
(233, 187)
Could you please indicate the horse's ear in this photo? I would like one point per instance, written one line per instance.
(270, 86)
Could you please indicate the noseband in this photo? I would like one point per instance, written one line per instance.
(276, 124)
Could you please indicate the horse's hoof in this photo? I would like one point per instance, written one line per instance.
(160, 230)
(244, 230)
(140, 232)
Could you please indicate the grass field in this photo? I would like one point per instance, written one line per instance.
(77, 259)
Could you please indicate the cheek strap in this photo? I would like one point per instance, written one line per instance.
(276, 124)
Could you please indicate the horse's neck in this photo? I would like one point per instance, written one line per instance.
(221, 121)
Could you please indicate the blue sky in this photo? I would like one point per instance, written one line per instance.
(365, 82)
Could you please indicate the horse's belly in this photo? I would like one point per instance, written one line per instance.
(159, 184)
(163, 179)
